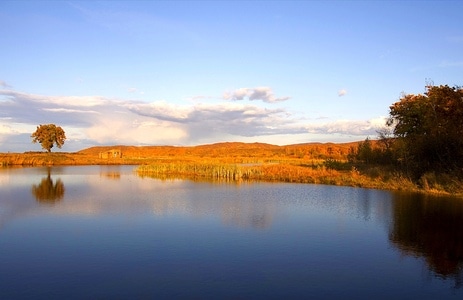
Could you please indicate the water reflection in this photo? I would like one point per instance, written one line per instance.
(431, 228)
(241, 214)
(269, 239)
(115, 175)
(232, 202)
(48, 191)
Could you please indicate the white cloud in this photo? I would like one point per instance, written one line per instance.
(5, 129)
(203, 120)
(9, 132)
(76, 101)
(160, 110)
(72, 111)
(259, 93)
(349, 127)
(124, 128)
(342, 92)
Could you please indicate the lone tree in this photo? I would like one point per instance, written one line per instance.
(48, 135)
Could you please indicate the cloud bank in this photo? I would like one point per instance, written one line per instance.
(96, 120)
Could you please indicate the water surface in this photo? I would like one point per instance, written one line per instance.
(103, 232)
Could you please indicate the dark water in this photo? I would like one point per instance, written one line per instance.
(105, 233)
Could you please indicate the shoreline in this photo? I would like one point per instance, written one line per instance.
(278, 173)
(261, 162)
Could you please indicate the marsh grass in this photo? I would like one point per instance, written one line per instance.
(208, 170)
(265, 171)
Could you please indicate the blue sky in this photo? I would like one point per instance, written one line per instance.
(198, 72)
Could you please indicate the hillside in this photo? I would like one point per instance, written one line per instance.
(229, 152)
(324, 163)
(232, 150)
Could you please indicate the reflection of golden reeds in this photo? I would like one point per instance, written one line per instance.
(111, 175)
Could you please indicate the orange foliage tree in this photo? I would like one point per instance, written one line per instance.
(49, 135)
(429, 129)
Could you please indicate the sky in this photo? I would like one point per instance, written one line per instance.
(188, 73)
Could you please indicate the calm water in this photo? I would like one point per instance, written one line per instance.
(104, 232)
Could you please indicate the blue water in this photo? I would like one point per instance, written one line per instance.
(104, 232)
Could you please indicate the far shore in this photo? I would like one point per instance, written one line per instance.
(315, 163)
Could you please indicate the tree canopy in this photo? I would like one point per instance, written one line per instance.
(49, 135)
(429, 129)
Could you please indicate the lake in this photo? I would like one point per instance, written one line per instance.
(86, 232)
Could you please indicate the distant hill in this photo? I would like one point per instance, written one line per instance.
(232, 149)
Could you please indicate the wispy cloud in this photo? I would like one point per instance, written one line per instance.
(4, 85)
(259, 93)
(73, 101)
(71, 111)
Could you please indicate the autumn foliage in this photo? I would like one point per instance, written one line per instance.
(49, 135)
(423, 140)
(429, 130)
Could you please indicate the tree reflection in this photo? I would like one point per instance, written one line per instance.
(430, 227)
(47, 191)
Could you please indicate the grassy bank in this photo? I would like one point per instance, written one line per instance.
(63, 159)
(37, 158)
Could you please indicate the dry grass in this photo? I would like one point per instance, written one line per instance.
(230, 153)
(281, 172)
(302, 163)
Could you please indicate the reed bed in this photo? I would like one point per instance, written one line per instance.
(266, 172)
(208, 170)
(217, 171)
